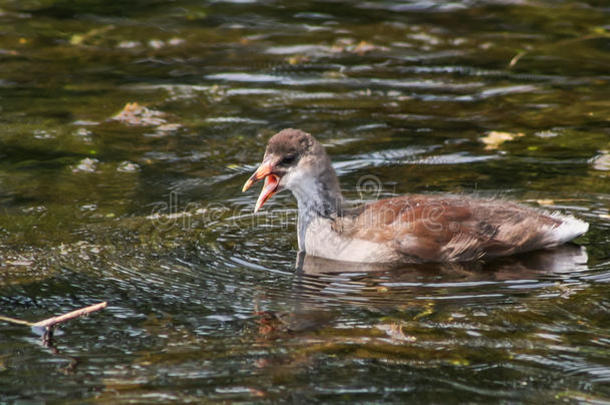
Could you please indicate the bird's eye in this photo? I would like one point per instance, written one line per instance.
(288, 160)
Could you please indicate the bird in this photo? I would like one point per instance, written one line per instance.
(417, 228)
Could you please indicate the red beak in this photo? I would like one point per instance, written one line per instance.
(271, 183)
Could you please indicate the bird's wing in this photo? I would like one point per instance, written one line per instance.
(440, 228)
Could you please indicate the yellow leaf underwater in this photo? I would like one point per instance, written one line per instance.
(494, 139)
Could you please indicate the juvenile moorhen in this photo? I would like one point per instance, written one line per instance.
(406, 229)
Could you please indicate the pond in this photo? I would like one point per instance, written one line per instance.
(128, 129)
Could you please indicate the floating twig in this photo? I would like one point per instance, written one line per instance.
(15, 321)
(516, 58)
(49, 323)
(564, 42)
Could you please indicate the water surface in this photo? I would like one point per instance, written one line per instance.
(204, 303)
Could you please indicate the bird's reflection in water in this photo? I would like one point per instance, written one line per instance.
(562, 259)
(322, 288)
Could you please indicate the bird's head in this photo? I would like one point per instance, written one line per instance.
(293, 159)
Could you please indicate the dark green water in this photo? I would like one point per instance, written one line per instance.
(203, 300)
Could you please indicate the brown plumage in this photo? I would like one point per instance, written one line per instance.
(407, 229)
(450, 228)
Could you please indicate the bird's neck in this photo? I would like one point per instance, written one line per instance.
(317, 197)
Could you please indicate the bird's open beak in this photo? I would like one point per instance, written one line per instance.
(271, 183)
